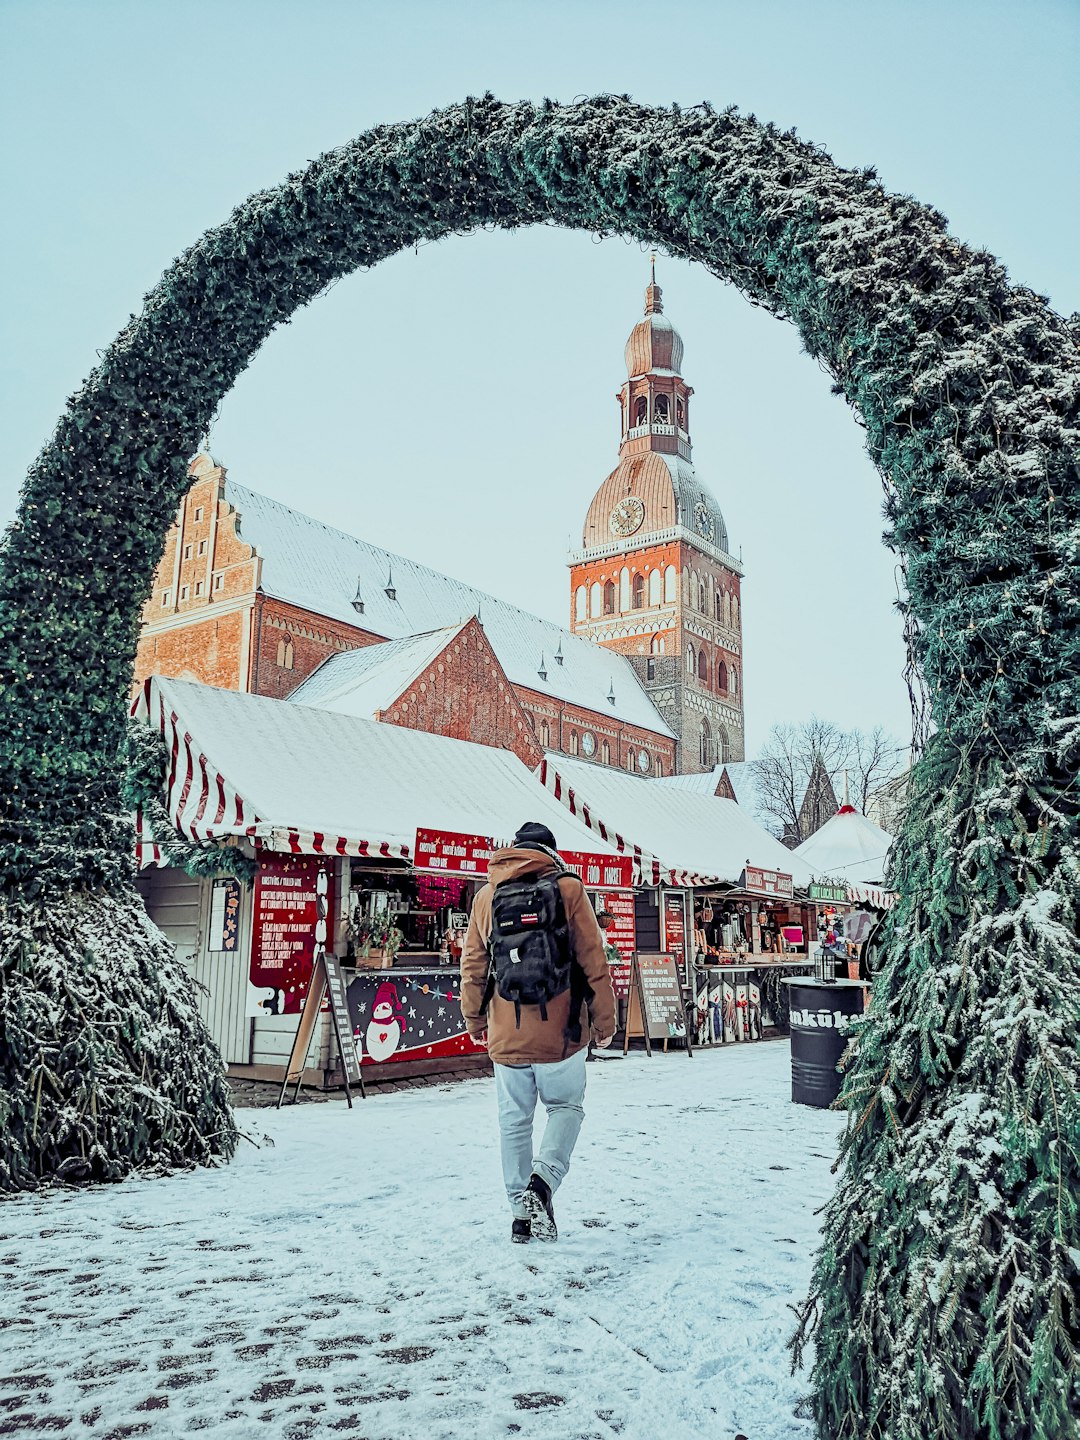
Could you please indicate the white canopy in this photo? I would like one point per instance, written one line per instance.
(848, 847)
(311, 781)
(699, 839)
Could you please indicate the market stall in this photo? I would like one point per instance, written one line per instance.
(733, 902)
(401, 821)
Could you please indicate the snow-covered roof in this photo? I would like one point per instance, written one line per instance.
(322, 569)
(363, 682)
(690, 833)
(250, 765)
(741, 775)
(849, 846)
(701, 782)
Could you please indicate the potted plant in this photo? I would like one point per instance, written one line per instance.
(376, 939)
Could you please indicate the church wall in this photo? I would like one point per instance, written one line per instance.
(567, 724)
(290, 642)
(212, 650)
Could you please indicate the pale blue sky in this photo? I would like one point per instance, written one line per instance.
(406, 405)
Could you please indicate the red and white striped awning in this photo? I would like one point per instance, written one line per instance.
(303, 781)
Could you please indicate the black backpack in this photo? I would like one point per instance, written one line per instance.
(530, 956)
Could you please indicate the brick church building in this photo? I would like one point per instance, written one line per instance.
(252, 595)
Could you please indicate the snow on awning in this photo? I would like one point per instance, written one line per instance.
(310, 781)
(697, 839)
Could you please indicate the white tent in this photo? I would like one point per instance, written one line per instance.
(311, 781)
(699, 839)
(852, 848)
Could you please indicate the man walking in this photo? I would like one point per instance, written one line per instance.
(533, 979)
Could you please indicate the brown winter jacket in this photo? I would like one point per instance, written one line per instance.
(537, 1041)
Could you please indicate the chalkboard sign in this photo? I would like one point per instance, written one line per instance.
(656, 994)
(327, 981)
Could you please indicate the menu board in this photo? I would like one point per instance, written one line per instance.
(660, 997)
(673, 931)
(225, 917)
(283, 927)
(453, 852)
(622, 934)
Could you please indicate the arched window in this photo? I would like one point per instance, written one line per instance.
(680, 413)
(727, 610)
(285, 654)
(734, 612)
(641, 411)
(637, 590)
(580, 601)
(655, 583)
(609, 597)
(734, 681)
(691, 660)
(702, 597)
(721, 676)
(656, 645)
(703, 666)
(573, 742)
(670, 582)
(662, 409)
(596, 599)
(545, 734)
(659, 768)
(605, 753)
(706, 754)
(624, 589)
(630, 758)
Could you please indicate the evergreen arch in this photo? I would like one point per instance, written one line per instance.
(942, 1301)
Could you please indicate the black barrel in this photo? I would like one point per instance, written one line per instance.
(819, 1016)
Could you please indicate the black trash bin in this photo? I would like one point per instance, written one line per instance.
(819, 1014)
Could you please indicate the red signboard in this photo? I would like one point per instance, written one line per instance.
(283, 932)
(674, 930)
(622, 934)
(773, 883)
(600, 872)
(452, 852)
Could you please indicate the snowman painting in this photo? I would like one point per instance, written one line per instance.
(387, 1023)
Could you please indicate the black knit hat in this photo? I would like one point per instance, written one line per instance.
(535, 837)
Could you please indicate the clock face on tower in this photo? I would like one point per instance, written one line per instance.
(627, 516)
(704, 520)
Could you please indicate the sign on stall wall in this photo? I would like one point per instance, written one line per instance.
(622, 934)
(600, 872)
(285, 912)
(673, 928)
(225, 917)
(453, 852)
(773, 883)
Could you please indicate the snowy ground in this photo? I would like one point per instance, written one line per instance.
(356, 1277)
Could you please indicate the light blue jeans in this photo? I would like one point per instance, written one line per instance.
(560, 1087)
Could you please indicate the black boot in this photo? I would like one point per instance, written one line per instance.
(537, 1200)
(521, 1232)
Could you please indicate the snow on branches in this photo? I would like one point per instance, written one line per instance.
(943, 1302)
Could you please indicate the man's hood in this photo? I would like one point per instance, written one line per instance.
(517, 861)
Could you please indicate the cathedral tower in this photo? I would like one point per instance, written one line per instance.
(655, 577)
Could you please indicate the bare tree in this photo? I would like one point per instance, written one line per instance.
(873, 760)
(811, 757)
